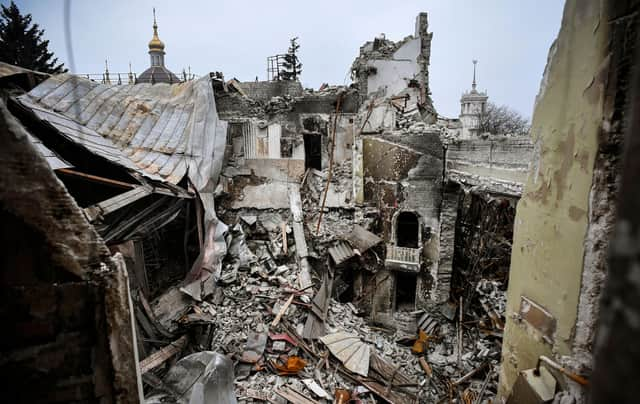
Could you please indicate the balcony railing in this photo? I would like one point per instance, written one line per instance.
(403, 258)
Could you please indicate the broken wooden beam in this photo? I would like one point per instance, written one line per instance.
(96, 178)
(470, 374)
(283, 309)
(425, 366)
(285, 246)
(158, 358)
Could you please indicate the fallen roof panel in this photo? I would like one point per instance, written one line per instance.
(362, 239)
(341, 252)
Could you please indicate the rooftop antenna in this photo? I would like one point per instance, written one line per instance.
(473, 85)
(130, 74)
(106, 72)
(155, 24)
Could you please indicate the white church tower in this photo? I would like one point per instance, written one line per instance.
(472, 105)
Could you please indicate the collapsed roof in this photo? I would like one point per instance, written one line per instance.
(164, 132)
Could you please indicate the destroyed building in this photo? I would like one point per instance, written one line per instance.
(262, 242)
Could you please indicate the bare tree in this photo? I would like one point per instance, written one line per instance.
(503, 120)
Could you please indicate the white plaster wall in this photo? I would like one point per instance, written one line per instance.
(408, 51)
(392, 75)
(274, 132)
(249, 136)
(344, 137)
(298, 152)
(382, 117)
(262, 143)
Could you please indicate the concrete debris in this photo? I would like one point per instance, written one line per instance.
(243, 327)
(315, 388)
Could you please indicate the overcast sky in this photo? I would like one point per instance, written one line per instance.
(510, 38)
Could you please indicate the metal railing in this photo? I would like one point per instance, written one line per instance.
(403, 255)
(125, 78)
(111, 78)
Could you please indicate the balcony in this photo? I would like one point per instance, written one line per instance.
(403, 258)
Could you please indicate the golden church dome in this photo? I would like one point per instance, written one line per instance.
(155, 44)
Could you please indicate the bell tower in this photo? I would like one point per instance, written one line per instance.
(472, 105)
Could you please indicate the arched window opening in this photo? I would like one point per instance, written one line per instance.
(407, 230)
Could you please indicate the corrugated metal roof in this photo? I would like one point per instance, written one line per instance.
(162, 131)
(359, 239)
(341, 252)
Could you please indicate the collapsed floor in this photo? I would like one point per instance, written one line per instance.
(257, 317)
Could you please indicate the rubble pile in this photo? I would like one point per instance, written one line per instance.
(243, 106)
(279, 104)
(256, 316)
(338, 217)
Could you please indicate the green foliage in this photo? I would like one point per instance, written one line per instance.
(292, 66)
(21, 43)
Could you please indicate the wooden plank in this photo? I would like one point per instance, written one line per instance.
(283, 309)
(425, 366)
(158, 358)
(285, 246)
(387, 371)
(96, 178)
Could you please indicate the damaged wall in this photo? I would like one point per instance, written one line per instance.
(385, 69)
(265, 90)
(615, 374)
(69, 333)
(403, 173)
(498, 159)
(564, 217)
